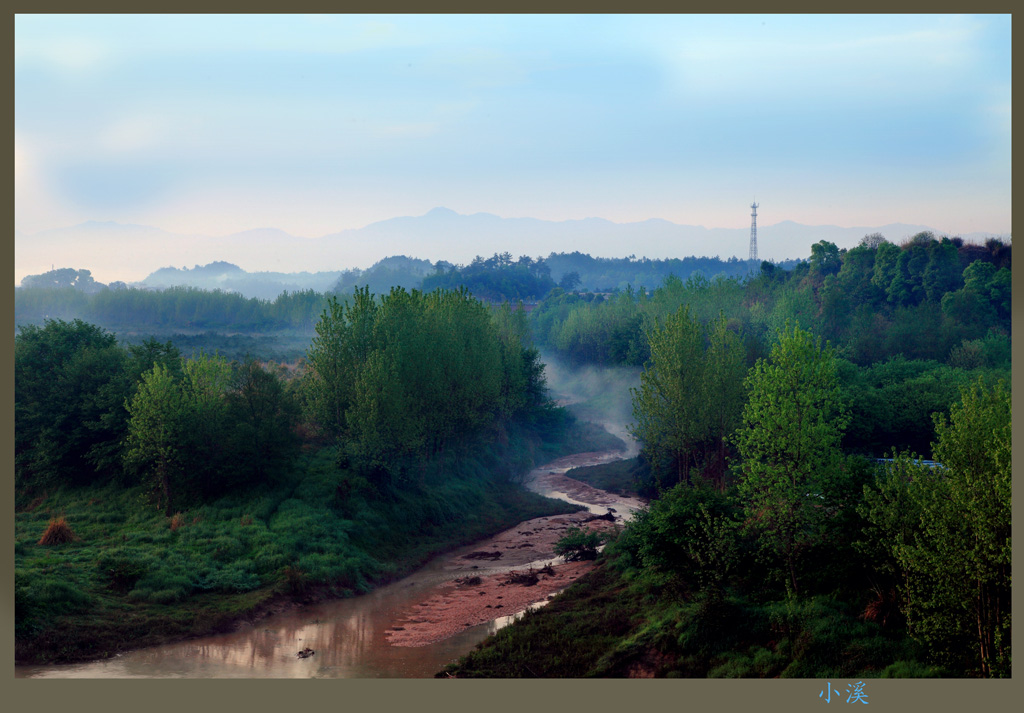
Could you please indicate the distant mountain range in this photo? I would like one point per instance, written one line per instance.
(125, 252)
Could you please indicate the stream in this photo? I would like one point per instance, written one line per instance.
(348, 635)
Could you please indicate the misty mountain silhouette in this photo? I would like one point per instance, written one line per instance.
(119, 251)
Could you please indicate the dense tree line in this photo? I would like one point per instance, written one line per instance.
(914, 367)
(604, 274)
(199, 488)
(174, 308)
(689, 396)
(926, 299)
(398, 380)
(918, 549)
(910, 324)
(498, 278)
(391, 381)
(89, 410)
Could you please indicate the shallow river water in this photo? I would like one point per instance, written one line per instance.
(347, 635)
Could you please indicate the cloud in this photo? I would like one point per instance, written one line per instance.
(132, 133)
(68, 56)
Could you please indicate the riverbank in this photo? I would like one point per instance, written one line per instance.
(133, 578)
(530, 571)
(534, 574)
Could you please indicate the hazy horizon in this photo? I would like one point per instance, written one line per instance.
(109, 249)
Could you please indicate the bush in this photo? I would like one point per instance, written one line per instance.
(690, 533)
(60, 597)
(578, 544)
(122, 569)
(910, 669)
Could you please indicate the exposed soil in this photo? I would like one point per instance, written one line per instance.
(576, 489)
(483, 594)
(456, 606)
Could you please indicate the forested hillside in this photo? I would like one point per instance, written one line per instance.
(163, 489)
(776, 543)
(159, 496)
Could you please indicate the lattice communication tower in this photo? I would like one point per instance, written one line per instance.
(753, 231)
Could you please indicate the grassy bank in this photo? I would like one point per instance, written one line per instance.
(605, 625)
(621, 477)
(615, 622)
(131, 577)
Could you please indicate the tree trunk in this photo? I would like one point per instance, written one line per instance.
(165, 482)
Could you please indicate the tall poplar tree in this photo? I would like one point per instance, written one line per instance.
(791, 462)
(669, 407)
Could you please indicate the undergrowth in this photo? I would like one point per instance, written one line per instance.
(131, 576)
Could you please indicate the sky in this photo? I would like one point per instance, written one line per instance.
(215, 124)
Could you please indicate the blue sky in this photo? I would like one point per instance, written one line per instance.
(313, 124)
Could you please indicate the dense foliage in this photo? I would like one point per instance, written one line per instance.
(776, 544)
(498, 278)
(944, 532)
(416, 415)
(910, 325)
(606, 274)
(807, 558)
(690, 395)
(903, 571)
(400, 379)
(175, 308)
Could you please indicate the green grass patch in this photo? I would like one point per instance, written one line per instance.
(620, 477)
(132, 576)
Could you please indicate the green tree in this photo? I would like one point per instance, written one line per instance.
(394, 381)
(942, 273)
(725, 369)
(689, 535)
(669, 408)
(177, 430)
(791, 463)
(886, 256)
(956, 559)
(67, 378)
(156, 418)
(570, 281)
(825, 258)
(342, 343)
(261, 416)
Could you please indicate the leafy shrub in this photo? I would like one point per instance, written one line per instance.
(162, 587)
(910, 669)
(59, 596)
(578, 544)
(690, 533)
(121, 568)
(735, 666)
(234, 578)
